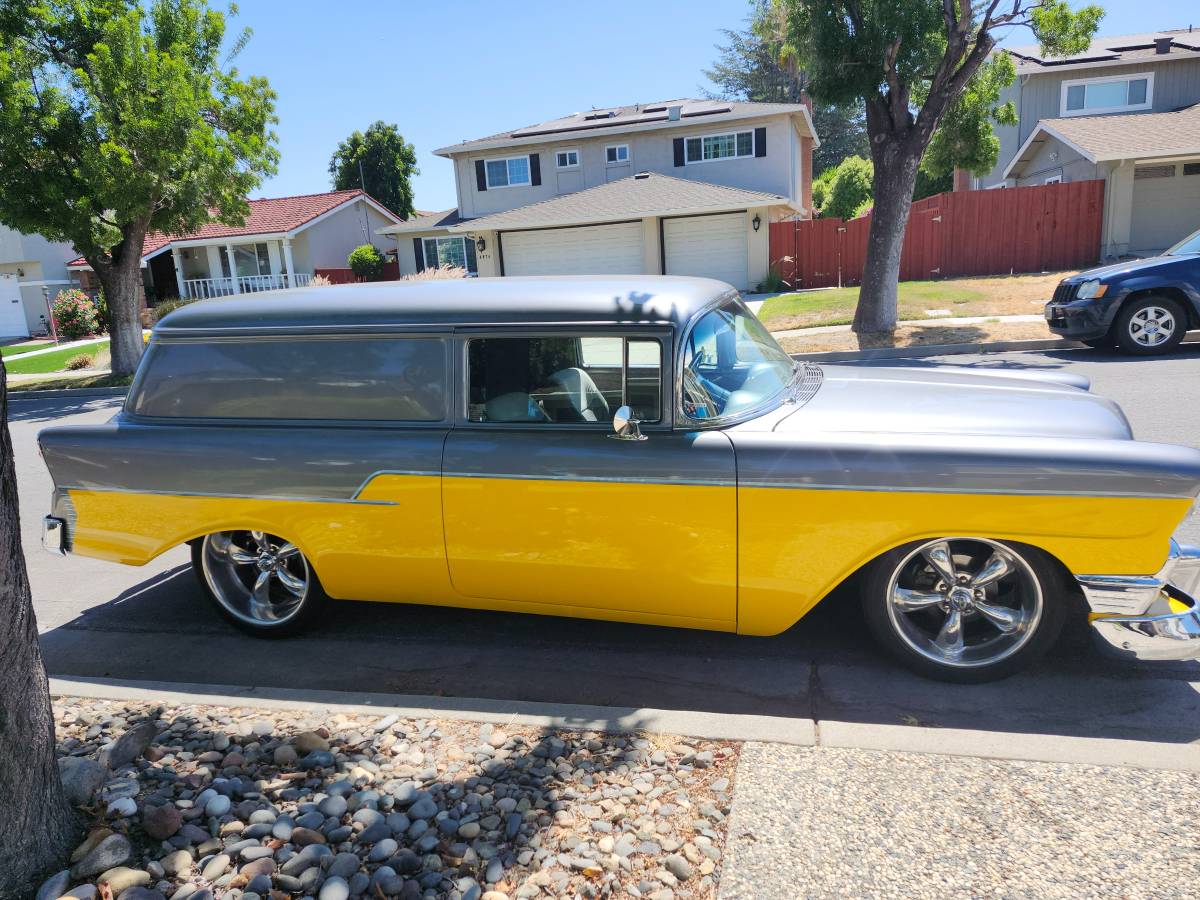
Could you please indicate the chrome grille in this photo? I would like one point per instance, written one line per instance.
(1064, 292)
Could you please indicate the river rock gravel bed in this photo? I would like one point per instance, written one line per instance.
(202, 802)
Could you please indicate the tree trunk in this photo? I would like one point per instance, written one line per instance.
(895, 177)
(37, 827)
(122, 282)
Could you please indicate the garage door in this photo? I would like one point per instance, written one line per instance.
(12, 311)
(592, 250)
(709, 247)
(1166, 206)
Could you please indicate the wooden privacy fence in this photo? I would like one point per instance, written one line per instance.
(1044, 228)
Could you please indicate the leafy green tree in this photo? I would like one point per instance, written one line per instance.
(387, 162)
(750, 66)
(928, 184)
(366, 262)
(910, 62)
(118, 118)
(849, 192)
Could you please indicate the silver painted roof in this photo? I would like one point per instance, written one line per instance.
(609, 299)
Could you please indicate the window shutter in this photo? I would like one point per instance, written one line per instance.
(480, 175)
(535, 169)
(678, 151)
(419, 253)
(760, 142)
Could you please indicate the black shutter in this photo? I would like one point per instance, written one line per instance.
(535, 169)
(419, 253)
(480, 175)
(760, 142)
(679, 151)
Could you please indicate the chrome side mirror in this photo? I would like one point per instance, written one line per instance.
(626, 427)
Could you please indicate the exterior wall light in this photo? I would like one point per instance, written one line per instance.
(480, 244)
(756, 222)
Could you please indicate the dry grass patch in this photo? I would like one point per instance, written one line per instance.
(917, 336)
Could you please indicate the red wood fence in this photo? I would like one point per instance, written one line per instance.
(1044, 228)
(390, 272)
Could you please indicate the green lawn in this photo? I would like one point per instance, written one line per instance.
(836, 305)
(14, 349)
(52, 362)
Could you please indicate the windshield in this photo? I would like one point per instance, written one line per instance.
(731, 363)
(1190, 244)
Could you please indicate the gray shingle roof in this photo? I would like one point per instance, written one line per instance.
(1130, 136)
(623, 119)
(1111, 50)
(635, 197)
(427, 222)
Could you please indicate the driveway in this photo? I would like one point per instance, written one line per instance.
(107, 621)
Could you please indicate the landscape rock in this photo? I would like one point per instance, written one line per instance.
(121, 877)
(130, 745)
(161, 822)
(107, 853)
(81, 778)
(54, 886)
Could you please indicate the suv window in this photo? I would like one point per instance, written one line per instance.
(563, 380)
(364, 379)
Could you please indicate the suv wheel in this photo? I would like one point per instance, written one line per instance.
(1150, 325)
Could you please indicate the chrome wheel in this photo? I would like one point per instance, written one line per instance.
(257, 578)
(964, 602)
(1151, 326)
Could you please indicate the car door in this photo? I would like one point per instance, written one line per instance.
(544, 509)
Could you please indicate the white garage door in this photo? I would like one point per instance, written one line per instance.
(1166, 206)
(709, 247)
(12, 311)
(592, 250)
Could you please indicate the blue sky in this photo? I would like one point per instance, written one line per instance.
(447, 72)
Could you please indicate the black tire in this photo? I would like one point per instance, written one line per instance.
(902, 633)
(1108, 342)
(215, 574)
(1130, 329)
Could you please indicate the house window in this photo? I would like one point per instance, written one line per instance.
(1094, 96)
(1167, 171)
(252, 259)
(567, 159)
(1054, 179)
(1191, 168)
(450, 251)
(617, 154)
(719, 146)
(507, 172)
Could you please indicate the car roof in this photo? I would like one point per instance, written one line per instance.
(451, 303)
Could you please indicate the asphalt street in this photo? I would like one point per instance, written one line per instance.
(102, 620)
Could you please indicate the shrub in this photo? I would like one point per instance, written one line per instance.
(366, 262)
(820, 189)
(168, 306)
(320, 281)
(75, 314)
(82, 361)
(101, 312)
(437, 273)
(850, 189)
(773, 283)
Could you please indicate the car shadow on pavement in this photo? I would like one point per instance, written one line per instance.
(825, 667)
(31, 409)
(1043, 359)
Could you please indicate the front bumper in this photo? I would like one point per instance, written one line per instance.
(1152, 617)
(1083, 320)
(54, 534)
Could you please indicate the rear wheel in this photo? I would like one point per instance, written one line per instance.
(1150, 325)
(260, 582)
(963, 609)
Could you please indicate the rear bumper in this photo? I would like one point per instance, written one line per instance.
(1150, 617)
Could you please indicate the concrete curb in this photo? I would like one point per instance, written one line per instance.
(799, 731)
(940, 350)
(68, 392)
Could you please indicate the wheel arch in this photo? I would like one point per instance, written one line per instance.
(1170, 291)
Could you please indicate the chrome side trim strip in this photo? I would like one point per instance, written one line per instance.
(923, 489)
(600, 479)
(221, 496)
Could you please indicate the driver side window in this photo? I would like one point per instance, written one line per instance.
(564, 380)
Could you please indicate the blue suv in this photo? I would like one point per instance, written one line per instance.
(1143, 306)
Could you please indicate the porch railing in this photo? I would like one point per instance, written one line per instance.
(203, 288)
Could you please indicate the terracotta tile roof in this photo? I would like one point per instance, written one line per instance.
(645, 194)
(268, 215)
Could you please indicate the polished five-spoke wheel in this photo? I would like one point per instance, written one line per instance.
(963, 609)
(260, 582)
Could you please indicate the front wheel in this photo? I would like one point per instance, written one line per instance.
(964, 610)
(1150, 325)
(259, 582)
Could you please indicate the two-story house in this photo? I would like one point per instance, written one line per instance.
(682, 187)
(1126, 110)
(29, 266)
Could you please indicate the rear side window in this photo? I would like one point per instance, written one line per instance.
(367, 379)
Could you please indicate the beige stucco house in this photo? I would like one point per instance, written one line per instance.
(681, 187)
(1126, 110)
(282, 242)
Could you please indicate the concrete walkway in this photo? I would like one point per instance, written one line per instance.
(54, 348)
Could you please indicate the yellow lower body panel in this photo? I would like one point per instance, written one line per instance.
(796, 545)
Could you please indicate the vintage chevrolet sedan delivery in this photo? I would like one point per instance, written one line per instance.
(629, 448)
